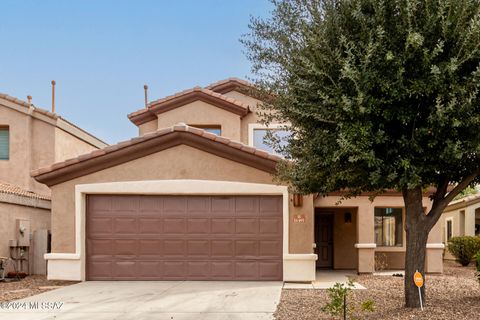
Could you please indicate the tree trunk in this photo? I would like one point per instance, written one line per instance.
(417, 230)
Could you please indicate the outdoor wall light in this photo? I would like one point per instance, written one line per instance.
(297, 200)
(348, 217)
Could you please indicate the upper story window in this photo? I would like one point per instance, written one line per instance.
(215, 129)
(4, 143)
(389, 227)
(259, 136)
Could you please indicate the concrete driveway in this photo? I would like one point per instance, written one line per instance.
(172, 300)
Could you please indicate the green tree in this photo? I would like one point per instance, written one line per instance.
(380, 95)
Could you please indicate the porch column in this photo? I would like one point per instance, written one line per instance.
(365, 239)
(435, 248)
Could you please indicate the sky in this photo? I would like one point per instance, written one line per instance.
(102, 52)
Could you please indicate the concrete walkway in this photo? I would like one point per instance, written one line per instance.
(139, 300)
(326, 279)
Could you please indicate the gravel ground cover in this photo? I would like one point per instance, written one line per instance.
(453, 295)
(29, 286)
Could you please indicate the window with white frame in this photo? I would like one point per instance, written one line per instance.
(260, 136)
(389, 227)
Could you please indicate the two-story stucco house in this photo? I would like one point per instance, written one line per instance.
(193, 198)
(30, 138)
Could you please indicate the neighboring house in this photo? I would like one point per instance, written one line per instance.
(461, 218)
(30, 138)
(193, 198)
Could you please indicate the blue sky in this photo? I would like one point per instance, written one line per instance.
(101, 53)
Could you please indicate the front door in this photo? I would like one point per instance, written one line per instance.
(324, 240)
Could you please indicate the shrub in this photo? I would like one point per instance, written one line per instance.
(464, 248)
(477, 259)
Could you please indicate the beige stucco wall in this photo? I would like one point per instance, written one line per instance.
(35, 143)
(68, 146)
(173, 163)
(202, 113)
(301, 233)
(147, 127)
(16, 168)
(9, 213)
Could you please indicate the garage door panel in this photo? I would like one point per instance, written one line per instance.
(173, 248)
(246, 226)
(149, 270)
(246, 206)
(222, 269)
(173, 205)
(149, 225)
(270, 226)
(246, 270)
(100, 269)
(122, 205)
(269, 270)
(150, 205)
(270, 205)
(125, 247)
(125, 225)
(270, 248)
(100, 225)
(174, 269)
(222, 248)
(223, 226)
(174, 226)
(100, 247)
(198, 226)
(198, 206)
(198, 269)
(222, 205)
(246, 248)
(125, 269)
(150, 247)
(198, 248)
(184, 238)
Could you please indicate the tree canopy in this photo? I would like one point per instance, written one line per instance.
(380, 94)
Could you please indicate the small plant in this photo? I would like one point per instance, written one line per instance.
(339, 296)
(381, 261)
(464, 248)
(477, 260)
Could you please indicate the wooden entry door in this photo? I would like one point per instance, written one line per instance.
(324, 240)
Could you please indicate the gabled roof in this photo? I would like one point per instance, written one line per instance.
(184, 97)
(53, 119)
(463, 202)
(152, 143)
(7, 188)
(230, 84)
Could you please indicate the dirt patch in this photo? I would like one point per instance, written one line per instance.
(455, 294)
(29, 286)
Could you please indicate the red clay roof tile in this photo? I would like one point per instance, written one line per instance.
(8, 188)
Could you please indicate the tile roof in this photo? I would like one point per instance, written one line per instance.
(18, 191)
(229, 84)
(185, 97)
(465, 201)
(269, 160)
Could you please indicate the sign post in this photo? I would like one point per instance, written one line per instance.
(418, 279)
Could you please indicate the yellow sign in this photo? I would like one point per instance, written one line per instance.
(418, 279)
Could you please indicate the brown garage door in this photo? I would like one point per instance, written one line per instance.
(184, 237)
